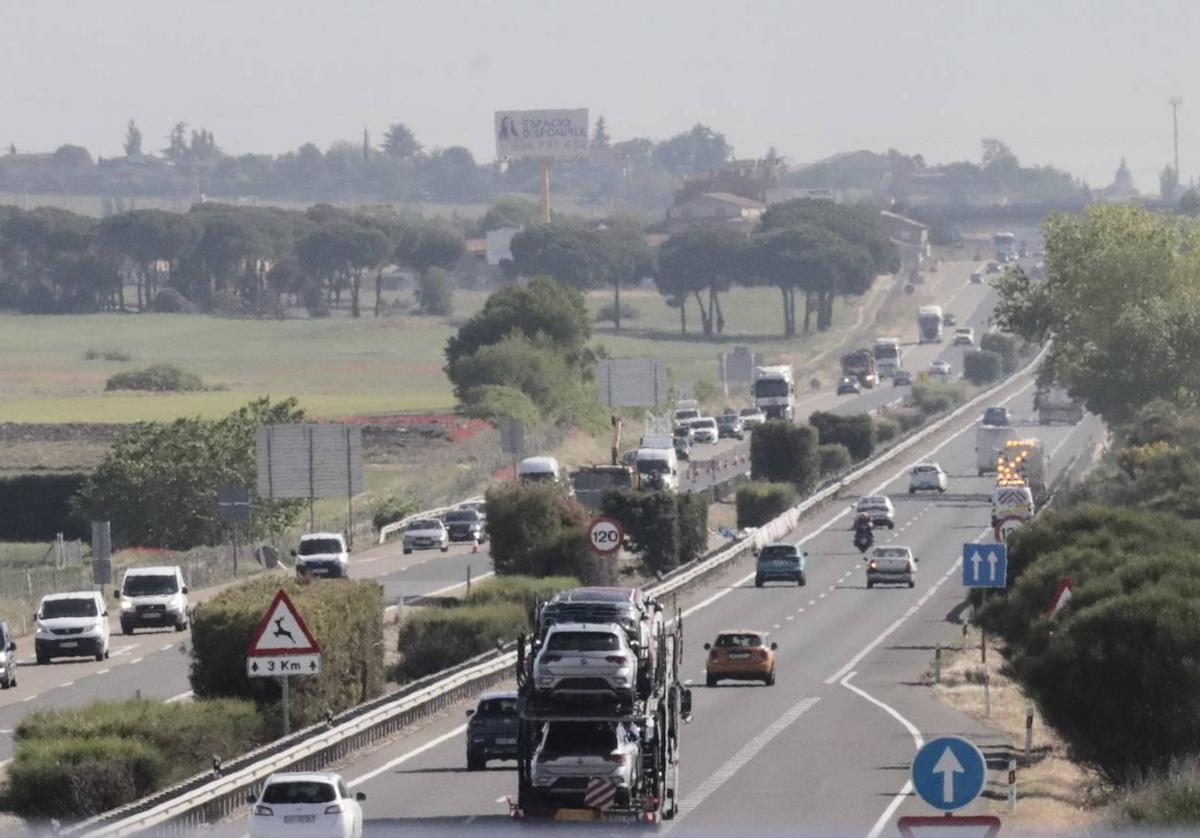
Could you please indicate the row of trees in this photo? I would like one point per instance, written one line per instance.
(216, 256)
(397, 167)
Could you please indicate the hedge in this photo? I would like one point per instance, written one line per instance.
(651, 521)
(932, 397)
(158, 378)
(345, 617)
(693, 525)
(80, 761)
(982, 367)
(886, 430)
(525, 591)
(38, 506)
(539, 531)
(783, 452)
(835, 458)
(1006, 346)
(758, 503)
(436, 638)
(856, 433)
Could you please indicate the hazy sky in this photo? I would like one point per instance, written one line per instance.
(1076, 83)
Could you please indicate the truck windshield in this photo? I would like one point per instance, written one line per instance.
(68, 608)
(146, 584)
(770, 388)
(317, 546)
(888, 352)
(652, 466)
(600, 480)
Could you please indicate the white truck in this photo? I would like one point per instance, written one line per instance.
(989, 442)
(657, 469)
(775, 392)
(929, 324)
(687, 410)
(887, 357)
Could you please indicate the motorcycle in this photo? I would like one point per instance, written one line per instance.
(864, 540)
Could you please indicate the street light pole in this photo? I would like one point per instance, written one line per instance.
(1175, 102)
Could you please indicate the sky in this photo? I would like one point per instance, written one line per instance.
(1073, 83)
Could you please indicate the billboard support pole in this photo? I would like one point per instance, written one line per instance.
(312, 515)
(544, 165)
(349, 494)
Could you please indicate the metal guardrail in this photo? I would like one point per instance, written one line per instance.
(397, 526)
(206, 798)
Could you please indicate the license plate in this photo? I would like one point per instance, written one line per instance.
(508, 740)
(299, 818)
(152, 615)
(739, 656)
(69, 644)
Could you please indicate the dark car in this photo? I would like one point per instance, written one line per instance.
(997, 416)
(492, 731)
(729, 426)
(465, 525)
(849, 386)
(683, 449)
(902, 378)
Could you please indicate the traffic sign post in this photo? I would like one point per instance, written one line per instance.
(985, 565)
(605, 536)
(282, 647)
(1006, 525)
(949, 772)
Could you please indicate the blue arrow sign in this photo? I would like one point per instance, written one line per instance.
(949, 772)
(985, 565)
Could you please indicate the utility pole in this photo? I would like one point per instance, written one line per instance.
(1175, 102)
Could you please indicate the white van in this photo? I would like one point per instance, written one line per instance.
(539, 470)
(71, 626)
(153, 596)
(658, 465)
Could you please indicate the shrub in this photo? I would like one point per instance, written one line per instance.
(704, 391)
(345, 616)
(537, 531)
(496, 401)
(758, 503)
(94, 354)
(981, 367)
(608, 313)
(856, 433)
(433, 639)
(932, 397)
(886, 430)
(781, 451)
(835, 458)
(1171, 799)
(170, 301)
(391, 509)
(1006, 346)
(908, 419)
(525, 591)
(158, 378)
(693, 525)
(435, 293)
(651, 523)
(78, 778)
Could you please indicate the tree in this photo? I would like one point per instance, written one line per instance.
(340, 250)
(699, 150)
(570, 253)
(627, 260)
(451, 174)
(1189, 203)
(158, 483)
(699, 260)
(133, 140)
(510, 212)
(400, 142)
(177, 148)
(435, 292)
(1168, 183)
(1117, 344)
(600, 138)
(366, 146)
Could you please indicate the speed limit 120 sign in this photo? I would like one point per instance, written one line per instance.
(605, 535)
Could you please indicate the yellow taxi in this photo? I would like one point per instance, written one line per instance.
(740, 655)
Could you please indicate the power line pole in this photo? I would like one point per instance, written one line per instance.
(1175, 102)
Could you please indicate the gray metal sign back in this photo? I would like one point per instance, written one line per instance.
(233, 504)
(309, 460)
(632, 382)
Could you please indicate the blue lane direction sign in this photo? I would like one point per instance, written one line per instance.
(985, 565)
(949, 772)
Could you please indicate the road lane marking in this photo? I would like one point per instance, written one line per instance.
(405, 757)
(103, 671)
(918, 740)
(66, 684)
(28, 698)
(136, 660)
(441, 591)
(735, 763)
(789, 618)
(822, 596)
(181, 697)
(167, 648)
(122, 650)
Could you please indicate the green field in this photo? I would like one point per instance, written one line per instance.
(335, 366)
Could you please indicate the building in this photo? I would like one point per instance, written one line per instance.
(715, 208)
(911, 239)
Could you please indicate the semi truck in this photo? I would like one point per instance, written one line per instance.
(929, 324)
(1006, 247)
(602, 760)
(1054, 404)
(775, 392)
(887, 357)
(860, 364)
(1023, 462)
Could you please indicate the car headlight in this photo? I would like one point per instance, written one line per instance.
(126, 604)
(42, 631)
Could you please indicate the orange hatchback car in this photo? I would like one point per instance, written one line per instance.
(740, 655)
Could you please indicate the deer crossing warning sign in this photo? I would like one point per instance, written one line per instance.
(282, 644)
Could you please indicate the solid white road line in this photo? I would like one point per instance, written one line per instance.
(918, 741)
(405, 757)
(735, 763)
(447, 589)
(181, 697)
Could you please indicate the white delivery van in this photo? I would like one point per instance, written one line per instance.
(658, 468)
(153, 597)
(539, 470)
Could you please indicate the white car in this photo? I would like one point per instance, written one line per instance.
(891, 565)
(153, 596)
(705, 429)
(926, 477)
(304, 804)
(752, 417)
(964, 336)
(426, 534)
(940, 367)
(323, 554)
(71, 626)
(586, 660)
(572, 753)
(879, 507)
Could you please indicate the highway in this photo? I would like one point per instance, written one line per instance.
(827, 749)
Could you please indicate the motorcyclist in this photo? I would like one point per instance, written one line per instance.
(863, 523)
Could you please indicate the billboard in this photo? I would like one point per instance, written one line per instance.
(309, 461)
(542, 135)
(632, 382)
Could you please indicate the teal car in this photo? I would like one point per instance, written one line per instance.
(780, 562)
